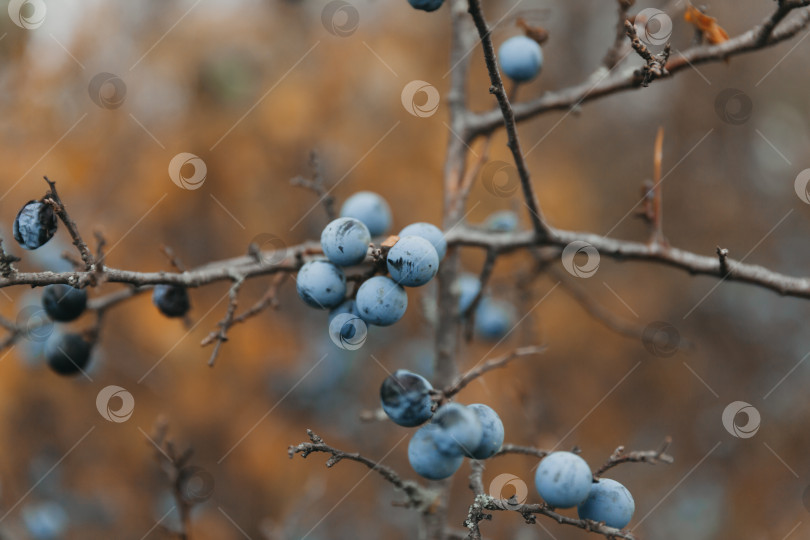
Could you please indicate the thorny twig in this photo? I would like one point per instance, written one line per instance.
(479, 370)
(317, 184)
(655, 67)
(619, 456)
(418, 497)
(176, 466)
(52, 198)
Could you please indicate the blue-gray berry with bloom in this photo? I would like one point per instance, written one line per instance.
(468, 286)
(503, 221)
(371, 209)
(345, 241)
(405, 398)
(492, 432)
(494, 319)
(321, 284)
(381, 301)
(429, 232)
(64, 303)
(425, 458)
(521, 58)
(608, 502)
(460, 431)
(412, 261)
(34, 225)
(563, 479)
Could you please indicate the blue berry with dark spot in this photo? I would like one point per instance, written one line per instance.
(460, 431)
(608, 502)
(67, 354)
(35, 225)
(521, 58)
(405, 398)
(321, 284)
(412, 261)
(429, 232)
(381, 301)
(563, 479)
(492, 432)
(426, 5)
(425, 458)
(345, 241)
(171, 300)
(371, 209)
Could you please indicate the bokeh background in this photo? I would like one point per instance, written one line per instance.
(251, 87)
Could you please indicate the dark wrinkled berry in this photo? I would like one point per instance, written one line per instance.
(64, 303)
(171, 300)
(67, 354)
(35, 225)
(405, 398)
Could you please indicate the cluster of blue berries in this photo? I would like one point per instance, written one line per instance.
(564, 480)
(454, 431)
(412, 261)
(67, 353)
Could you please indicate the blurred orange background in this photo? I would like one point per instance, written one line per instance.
(251, 87)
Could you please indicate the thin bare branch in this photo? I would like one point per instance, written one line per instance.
(540, 227)
(619, 456)
(488, 366)
(52, 197)
(317, 184)
(418, 497)
(626, 250)
(627, 79)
